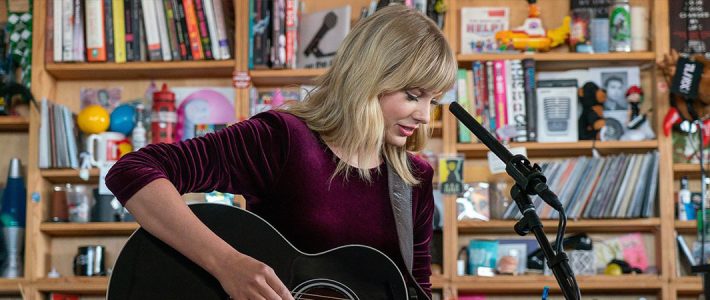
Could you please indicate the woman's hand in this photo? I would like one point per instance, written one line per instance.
(244, 277)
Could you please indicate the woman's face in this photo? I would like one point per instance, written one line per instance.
(404, 111)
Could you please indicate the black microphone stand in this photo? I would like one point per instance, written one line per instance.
(529, 180)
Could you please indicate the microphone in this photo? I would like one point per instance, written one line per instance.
(329, 21)
(529, 178)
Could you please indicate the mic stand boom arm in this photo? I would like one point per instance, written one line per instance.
(529, 180)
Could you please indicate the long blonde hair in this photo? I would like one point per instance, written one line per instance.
(396, 48)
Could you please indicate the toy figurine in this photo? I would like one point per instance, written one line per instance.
(532, 34)
(637, 127)
(680, 107)
(591, 121)
(634, 96)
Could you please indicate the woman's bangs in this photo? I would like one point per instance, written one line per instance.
(434, 70)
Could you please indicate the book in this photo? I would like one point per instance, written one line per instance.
(517, 111)
(482, 257)
(479, 26)
(320, 35)
(95, 32)
(557, 110)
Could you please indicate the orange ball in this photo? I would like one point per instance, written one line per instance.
(93, 119)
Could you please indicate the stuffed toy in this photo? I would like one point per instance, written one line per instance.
(700, 106)
(592, 119)
(637, 129)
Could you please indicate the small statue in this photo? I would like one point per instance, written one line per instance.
(637, 127)
(634, 96)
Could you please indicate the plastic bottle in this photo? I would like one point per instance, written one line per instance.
(138, 136)
(164, 117)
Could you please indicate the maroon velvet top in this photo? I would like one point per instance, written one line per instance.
(283, 169)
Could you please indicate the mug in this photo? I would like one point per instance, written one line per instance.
(106, 146)
(89, 261)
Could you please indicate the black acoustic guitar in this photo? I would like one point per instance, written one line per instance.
(147, 268)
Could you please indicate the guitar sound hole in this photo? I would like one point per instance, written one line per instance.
(322, 293)
(323, 289)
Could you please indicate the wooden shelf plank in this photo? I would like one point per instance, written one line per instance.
(690, 170)
(284, 77)
(607, 225)
(58, 176)
(11, 285)
(80, 285)
(687, 227)
(438, 281)
(562, 57)
(688, 284)
(88, 229)
(141, 70)
(14, 124)
(479, 150)
(535, 283)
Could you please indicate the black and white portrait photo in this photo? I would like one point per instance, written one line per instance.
(615, 84)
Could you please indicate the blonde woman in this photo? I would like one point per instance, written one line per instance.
(317, 170)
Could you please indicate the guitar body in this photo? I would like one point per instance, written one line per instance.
(147, 268)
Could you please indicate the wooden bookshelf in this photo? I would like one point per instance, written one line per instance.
(479, 150)
(610, 225)
(58, 176)
(14, 124)
(688, 284)
(88, 229)
(633, 57)
(79, 285)
(438, 281)
(12, 285)
(141, 70)
(690, 170)
(686, 227)
(535, 283)
(284, 77)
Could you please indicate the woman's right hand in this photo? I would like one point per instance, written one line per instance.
(244, 277)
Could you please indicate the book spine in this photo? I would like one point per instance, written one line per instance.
(95, 42)
(490, 88)
(54, 9)
(212, 28)
(291, 32)
(67, 30)
(152, 34)
(172, 29)
(181, 26)
(530, 101)
(517, 112)
(500, 93)
(119, 31)
(79, 47)
(203, 29)
(108, 36)
(462, 95)
(278, 38)
(192, 30)
(222, 39)
(165, 48)
(136, 29)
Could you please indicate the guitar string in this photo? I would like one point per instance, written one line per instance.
(323, 297)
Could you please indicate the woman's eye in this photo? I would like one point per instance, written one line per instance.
(434, 101)
(411, 96)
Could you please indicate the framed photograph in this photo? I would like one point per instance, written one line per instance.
(615, 81)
